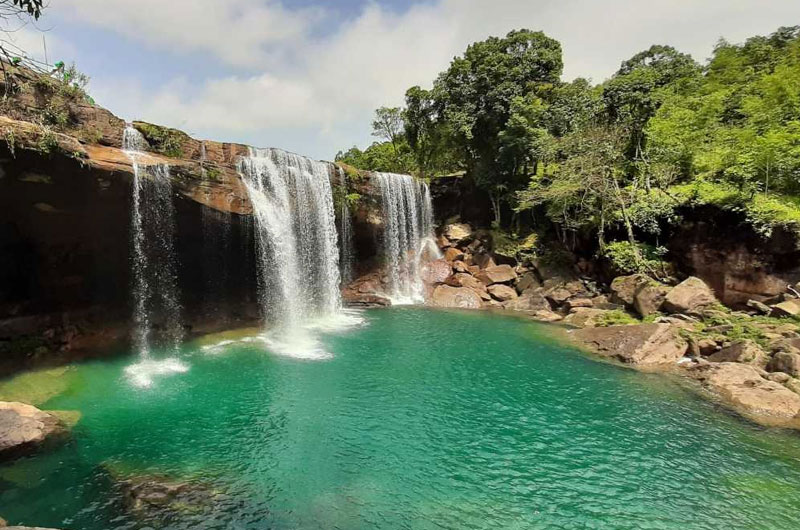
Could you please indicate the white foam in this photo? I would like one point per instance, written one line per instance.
(142, 373)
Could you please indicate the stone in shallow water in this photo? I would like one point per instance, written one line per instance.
(24, 428)
(38, 386)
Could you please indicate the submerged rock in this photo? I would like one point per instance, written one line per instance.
(24, 428)
(639, 344)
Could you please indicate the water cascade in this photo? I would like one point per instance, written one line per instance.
(153, 272)
(345, 231)
(296, 246)
(408, 234)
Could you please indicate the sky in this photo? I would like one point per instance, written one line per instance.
(306, 75)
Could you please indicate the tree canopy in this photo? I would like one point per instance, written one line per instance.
(621, 157)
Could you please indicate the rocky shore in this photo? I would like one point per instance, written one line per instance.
(748, 360)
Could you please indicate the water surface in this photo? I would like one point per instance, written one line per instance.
(420, 419)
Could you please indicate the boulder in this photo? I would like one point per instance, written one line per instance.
(759, 307)
(623, 288)
(526, 281)
(484, 261)
(575, 303)
(497, 274)
(460, 266)
(24, 428)
(457, 232)
(442, 241)
(545, 315)
(584, 317)
(649, 298)
(638, 344)
(789, 308)
(743, 351)
(463, 297)
(785, 362)
(689, 296)
(558, 295)
(529, 302)
(779, 377)
(707, 347)
(502, 293)
(452, 254)
(436, 271)
(742, 386)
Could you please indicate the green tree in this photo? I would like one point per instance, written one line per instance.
(477, 93)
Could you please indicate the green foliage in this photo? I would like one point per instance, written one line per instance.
(643, 259)
(741, 124)
(11, 142)
(59, 95)
(380, 156)
(615, 317)
(168, 142)
(48, 142)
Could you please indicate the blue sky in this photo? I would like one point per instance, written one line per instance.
(306, 75)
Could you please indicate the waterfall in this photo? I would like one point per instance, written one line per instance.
(345, 231)
(296, 245)
(154, 291)
(408, 233)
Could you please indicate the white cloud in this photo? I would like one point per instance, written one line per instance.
(239, 33)
(299, 81)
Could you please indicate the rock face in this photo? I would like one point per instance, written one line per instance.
(461, 297)
(743, 387)
(24, 428)
(639, 345)
(689, 296)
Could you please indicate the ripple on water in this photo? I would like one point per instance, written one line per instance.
(421, 419)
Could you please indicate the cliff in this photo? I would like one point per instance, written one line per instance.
(65, 223)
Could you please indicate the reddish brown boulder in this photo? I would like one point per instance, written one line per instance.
(497, 274)
(639, 344)
(461, 297)
(24, 428)
(742, 386)
(689, 296)
(453, 254)
(502, 293)
(743, 351)
(436, 271)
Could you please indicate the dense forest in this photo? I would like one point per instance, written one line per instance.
(614, 161)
